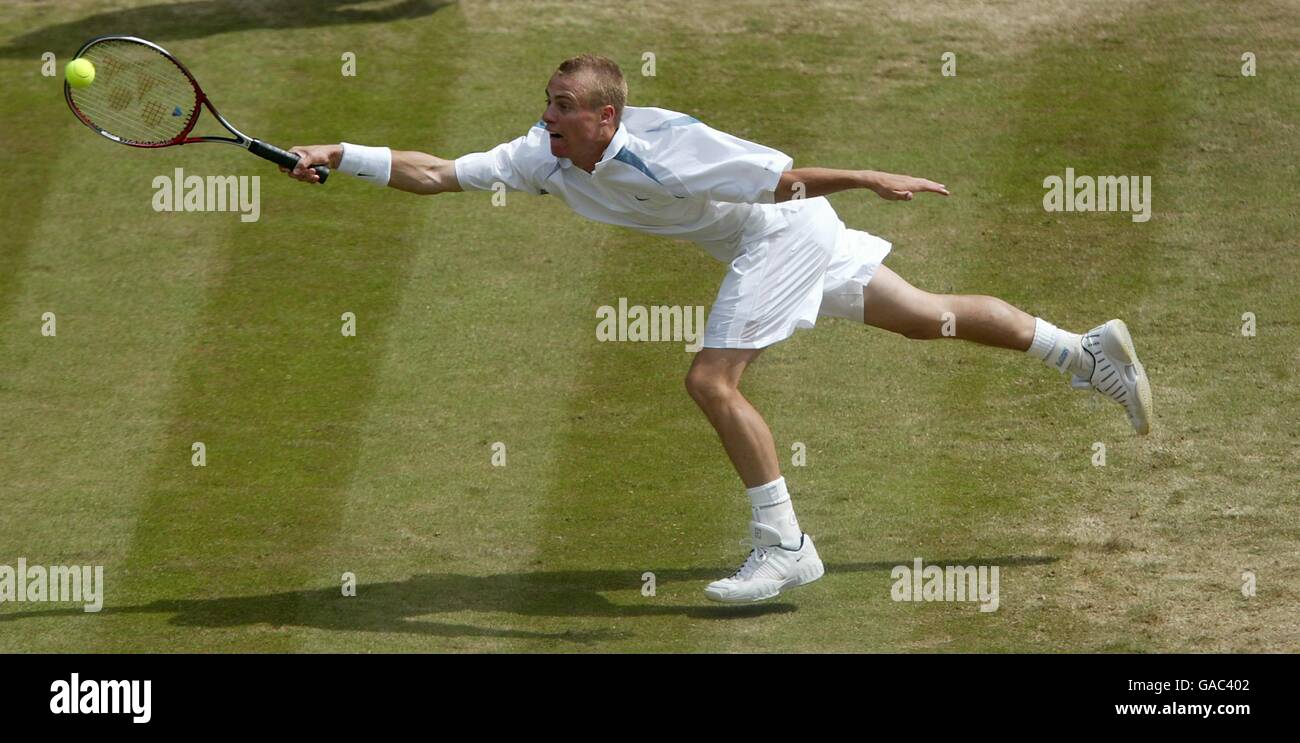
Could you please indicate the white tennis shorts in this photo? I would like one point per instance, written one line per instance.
(797, 261)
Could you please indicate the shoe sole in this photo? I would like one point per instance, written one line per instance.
(1128, 353)
(809, 571)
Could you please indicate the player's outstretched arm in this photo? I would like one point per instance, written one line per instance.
(414, 172)
(813, 182)
(418, 172)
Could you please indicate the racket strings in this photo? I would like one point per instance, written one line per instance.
(147, 73)
(175, 87)
(113, 113)
(138, 95)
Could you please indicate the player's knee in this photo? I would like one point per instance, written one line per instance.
(706, 388)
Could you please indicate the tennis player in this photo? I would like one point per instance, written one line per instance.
(791, 259)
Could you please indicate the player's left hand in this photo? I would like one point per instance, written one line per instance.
(893, 187)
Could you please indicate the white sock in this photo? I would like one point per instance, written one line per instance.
(772, 507)
(1059, 349)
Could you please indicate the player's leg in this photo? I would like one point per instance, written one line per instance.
(1103, 359)
(890, 303)
(714, 383)
(783, 556)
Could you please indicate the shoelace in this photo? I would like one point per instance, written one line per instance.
(757, 556)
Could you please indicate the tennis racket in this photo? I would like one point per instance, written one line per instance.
(142, 96)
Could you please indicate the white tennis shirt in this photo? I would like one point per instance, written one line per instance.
(664, 173)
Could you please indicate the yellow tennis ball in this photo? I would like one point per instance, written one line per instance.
(80, 73)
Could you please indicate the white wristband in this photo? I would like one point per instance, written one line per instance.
(374, 164)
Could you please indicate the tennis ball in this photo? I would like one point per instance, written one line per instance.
(80, 73)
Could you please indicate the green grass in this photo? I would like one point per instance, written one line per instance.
(371, 454)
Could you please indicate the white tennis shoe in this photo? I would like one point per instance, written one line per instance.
(1116, 372)
(769, 569)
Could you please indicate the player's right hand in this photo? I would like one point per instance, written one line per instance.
(893, 187)
(314, 154)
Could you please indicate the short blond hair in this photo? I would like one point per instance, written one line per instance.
(603, 83)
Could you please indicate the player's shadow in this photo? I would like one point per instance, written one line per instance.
(411, 606)
(194, 20)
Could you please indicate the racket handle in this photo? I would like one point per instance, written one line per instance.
(278, 156)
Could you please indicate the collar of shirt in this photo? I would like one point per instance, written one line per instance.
(616, 144)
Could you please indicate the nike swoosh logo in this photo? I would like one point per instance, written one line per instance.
(638, 198)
